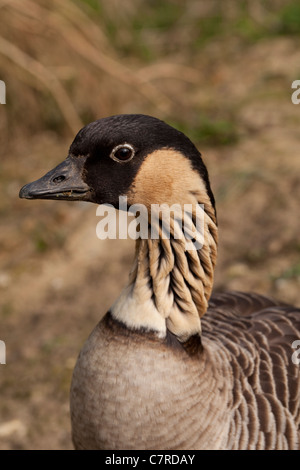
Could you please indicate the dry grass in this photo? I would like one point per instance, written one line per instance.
(226, 81)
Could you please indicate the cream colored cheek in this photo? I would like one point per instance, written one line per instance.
(150, 191)
(165, 177)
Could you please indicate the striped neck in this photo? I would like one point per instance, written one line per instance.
(172, 277)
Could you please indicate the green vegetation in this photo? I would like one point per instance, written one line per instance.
(6, 310)
(94, 5)
(47, 237)
(289, 19)
(155, 30)
(208, 131)
(160, 16)
(291, 273)
(107, 44)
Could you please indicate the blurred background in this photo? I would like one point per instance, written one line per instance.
(219, 71)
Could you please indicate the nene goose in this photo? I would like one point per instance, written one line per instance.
(154, 374)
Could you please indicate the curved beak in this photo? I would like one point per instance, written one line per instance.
(63, 182)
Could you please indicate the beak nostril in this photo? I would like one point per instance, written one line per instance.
(59, 179)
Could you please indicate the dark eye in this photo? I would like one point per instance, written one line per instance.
(122, 153)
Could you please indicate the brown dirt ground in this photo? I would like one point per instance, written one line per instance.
(57, 279)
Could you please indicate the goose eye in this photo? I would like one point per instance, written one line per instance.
(122, 153)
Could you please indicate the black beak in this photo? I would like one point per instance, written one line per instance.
(63, 182)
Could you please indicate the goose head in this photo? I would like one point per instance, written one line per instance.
(110, 157)
(149, 162)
